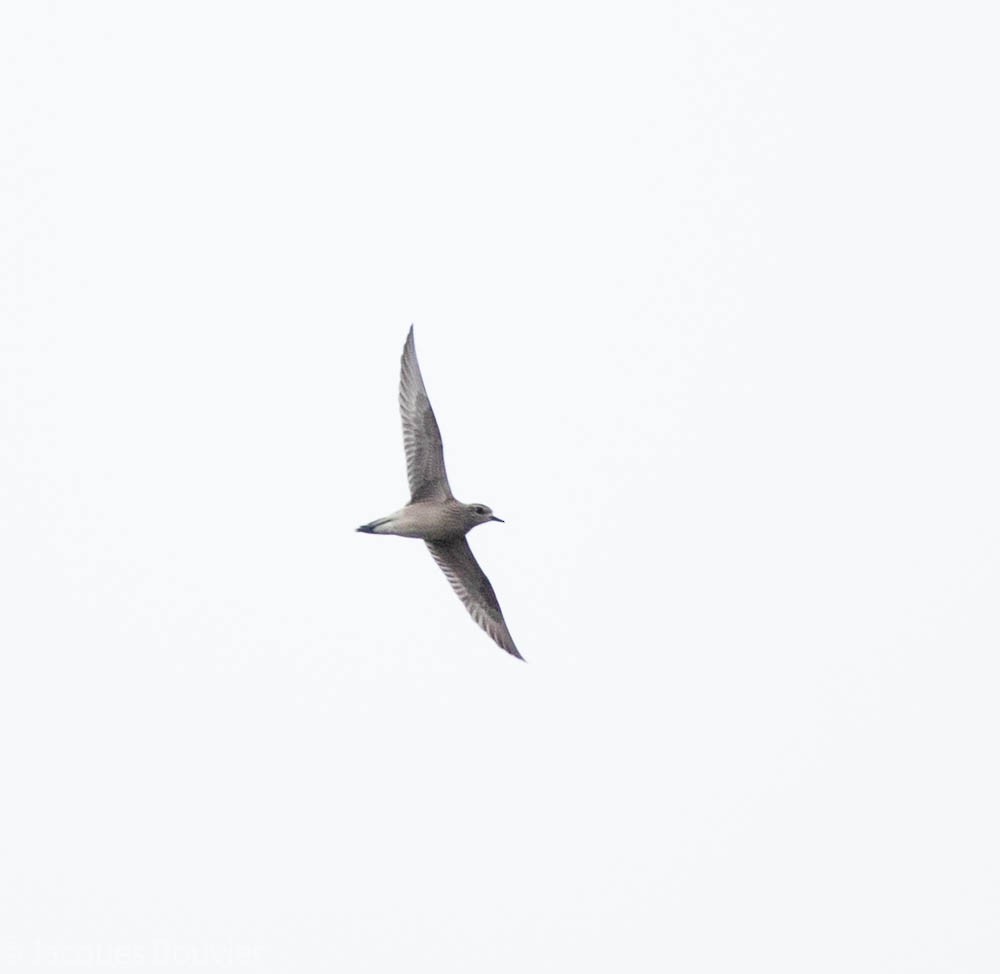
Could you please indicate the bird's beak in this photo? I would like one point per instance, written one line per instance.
(500, 519)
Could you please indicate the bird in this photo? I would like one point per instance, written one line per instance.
(433, 514)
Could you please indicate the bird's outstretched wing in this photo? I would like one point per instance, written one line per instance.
(473, 587)
(421, 436)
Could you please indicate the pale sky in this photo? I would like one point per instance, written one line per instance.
(705, 300)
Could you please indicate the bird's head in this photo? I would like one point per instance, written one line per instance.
(479, 514)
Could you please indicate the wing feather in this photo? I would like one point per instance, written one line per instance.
(421, 436)
(473, 587)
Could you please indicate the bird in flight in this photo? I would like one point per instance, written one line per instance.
(433, 514)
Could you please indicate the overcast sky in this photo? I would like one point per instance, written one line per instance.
(705, 299)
